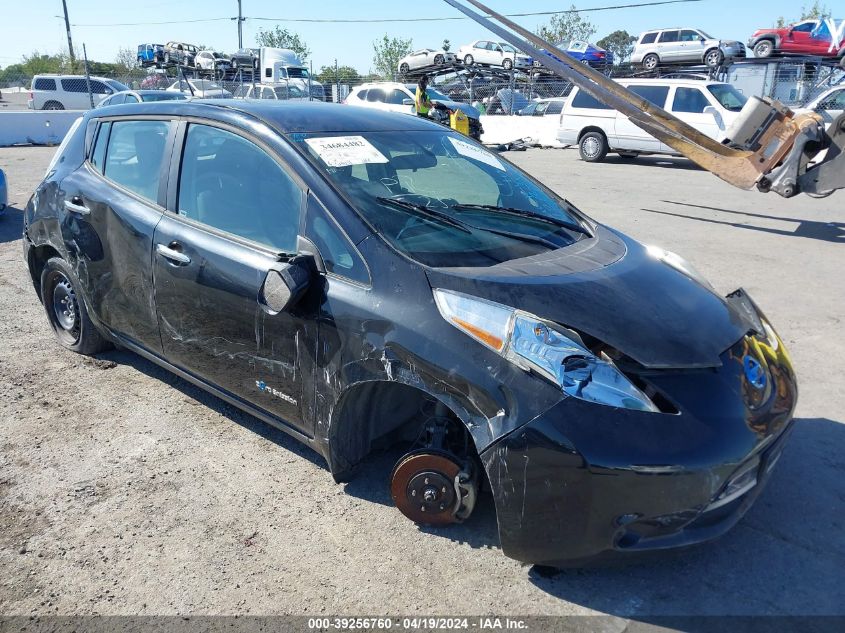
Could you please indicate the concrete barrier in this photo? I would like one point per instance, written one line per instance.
(43, 127)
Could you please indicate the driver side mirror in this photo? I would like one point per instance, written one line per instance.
(408, 102)
(285, 283)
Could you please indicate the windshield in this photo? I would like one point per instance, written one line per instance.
(204, 84)
(729, 97)
(116, 85)
(507, 47)
(706, 36)
(161, 95)
(442, 199)
(288, 92)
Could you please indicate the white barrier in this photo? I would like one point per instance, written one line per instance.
(504, 129)
(43, 127)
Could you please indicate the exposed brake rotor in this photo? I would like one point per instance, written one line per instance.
(423, 487)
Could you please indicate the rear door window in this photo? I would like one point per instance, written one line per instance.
(98, 156)
(555, 107)
(648, 38)
(77, 84)
(230, 184)
(668, 36)
(375, 95)
(135, 155)
(654, 94)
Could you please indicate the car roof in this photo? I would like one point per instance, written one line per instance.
(670, 82)
(285, 117)
(380, 84)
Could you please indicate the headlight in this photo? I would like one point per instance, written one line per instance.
(539, 346)
(679, 263)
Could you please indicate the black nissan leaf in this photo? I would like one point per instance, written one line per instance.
(365, 280)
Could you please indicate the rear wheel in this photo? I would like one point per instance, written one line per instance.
(438, 59)
(764, 48)
(593, 147)
(53, 105)
(714, 58)
(404, 68)
(650, 61)
(507, 64)
(66, 311)
(468, 60)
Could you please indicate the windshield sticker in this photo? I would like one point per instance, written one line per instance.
(476, 153)
(343, 151)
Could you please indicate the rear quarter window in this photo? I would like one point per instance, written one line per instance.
(42, 83)
(98, 156)
(583, 100)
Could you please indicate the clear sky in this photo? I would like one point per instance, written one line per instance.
(33, 25)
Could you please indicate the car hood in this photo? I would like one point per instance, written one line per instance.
(611, 288)
(467, 109)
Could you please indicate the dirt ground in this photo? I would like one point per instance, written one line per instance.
(125, 490)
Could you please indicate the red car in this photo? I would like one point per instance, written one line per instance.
(810, 37)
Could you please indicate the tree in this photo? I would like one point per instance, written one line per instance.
(283, 38)
(815, 11)
(126, 59)
(563, 27)
(446, 45)
(620, 43)
(387, 53)
(344, 75)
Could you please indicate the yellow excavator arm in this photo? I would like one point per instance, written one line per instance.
(768, 147)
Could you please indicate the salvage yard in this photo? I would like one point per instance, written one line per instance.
(126, 490)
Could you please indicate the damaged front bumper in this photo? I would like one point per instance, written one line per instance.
(584, 483)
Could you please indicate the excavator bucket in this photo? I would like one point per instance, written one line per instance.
(768, 129)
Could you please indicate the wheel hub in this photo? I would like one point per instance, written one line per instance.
(591, 147)
(64, 305)
(423, 488)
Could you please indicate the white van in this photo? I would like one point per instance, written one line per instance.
(708, 106)
(70, 92)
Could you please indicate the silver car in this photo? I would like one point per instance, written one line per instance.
(683, 46)
(424, 58)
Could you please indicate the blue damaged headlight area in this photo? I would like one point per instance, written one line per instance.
(543, 348)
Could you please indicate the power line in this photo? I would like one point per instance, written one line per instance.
(389, 20)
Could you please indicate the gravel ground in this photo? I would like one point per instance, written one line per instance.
(125, 490)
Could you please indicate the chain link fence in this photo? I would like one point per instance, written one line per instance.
(792, 81)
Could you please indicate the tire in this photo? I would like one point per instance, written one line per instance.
(593, 147)
(234, 64)
(438, 60)
(469, 60)
(66, 311)
(650, 61)
(764, 48)
(507, 64)
(404, 69)
(714, 58)
(53, 105)
(166, 59)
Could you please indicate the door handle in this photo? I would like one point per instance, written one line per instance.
(76, 205)
(172, 255)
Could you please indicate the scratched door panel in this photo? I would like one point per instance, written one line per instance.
(213, 326)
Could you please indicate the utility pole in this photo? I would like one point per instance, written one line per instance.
(69, 40)
(240, 27)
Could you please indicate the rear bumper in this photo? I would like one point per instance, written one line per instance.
(585, 484)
